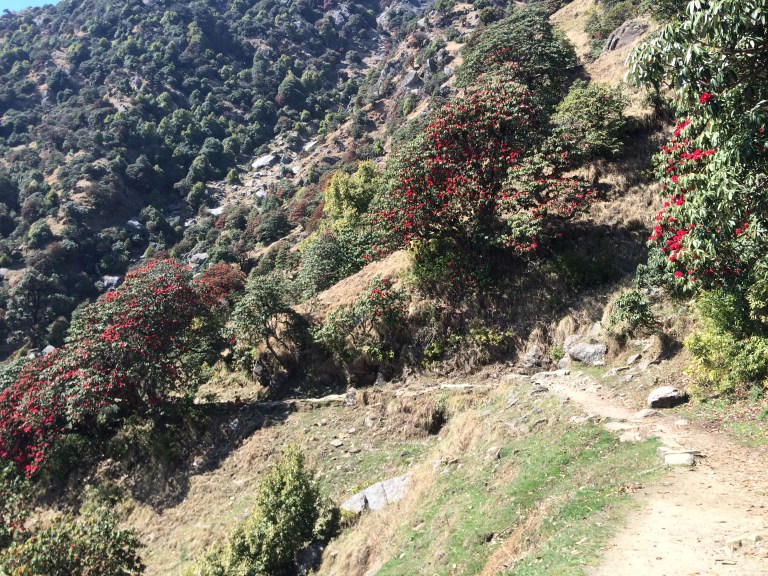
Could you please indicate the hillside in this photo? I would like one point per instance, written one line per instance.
(400, 287)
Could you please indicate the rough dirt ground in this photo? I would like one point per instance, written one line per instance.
(711, 519)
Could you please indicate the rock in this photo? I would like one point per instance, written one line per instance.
(625, 34)
(351, 399)
(3, 273)
(666, 397)
(631, 436)
(48, 350)
(310, 145)
(533, 357)
(679, 459)
(632, 359)
(647, 413)
(337, 443)
(134, 224)
(410, 80)
(111, 282)
(378, 495)
(264, 161)
(215, 211)
(681, 423)
(198, 258)
(538, 389)
(590, 354)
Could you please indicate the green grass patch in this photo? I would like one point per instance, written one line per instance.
(555, 492)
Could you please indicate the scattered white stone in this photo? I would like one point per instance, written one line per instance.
(682, 423)
(619, 426)
(632, 436)
(378, 495)
(647, 413)
(679, 459)
(666, 397)
(632, 359)
(337, 443)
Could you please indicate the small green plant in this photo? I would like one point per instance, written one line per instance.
(371, 325)
(631, 313)
(289, 513)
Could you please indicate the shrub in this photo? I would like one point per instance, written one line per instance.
(730, 352)
(370, 325)
(289, 513)
(543, 56)
(592, 117)
(126, 353)
(631, 312)
(90, 545)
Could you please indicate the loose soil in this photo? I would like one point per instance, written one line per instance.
(711, 519)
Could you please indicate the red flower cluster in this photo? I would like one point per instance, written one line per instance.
(124, 354)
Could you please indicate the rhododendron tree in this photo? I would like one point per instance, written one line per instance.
(712, 227)
(482, 176)
(126, 353)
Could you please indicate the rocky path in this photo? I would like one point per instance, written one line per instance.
(707, 519)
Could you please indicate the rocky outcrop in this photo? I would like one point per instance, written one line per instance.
(378, 495)
(625, 34)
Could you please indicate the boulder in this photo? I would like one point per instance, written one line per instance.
(625, 34)
(264, 161)
(111, 282)
(533, 357)
(378, 495)
(666, 397)
(48, 350)
(586, 353)
(198, 258)
(410, 80)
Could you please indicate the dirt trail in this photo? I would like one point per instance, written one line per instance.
(711, 519)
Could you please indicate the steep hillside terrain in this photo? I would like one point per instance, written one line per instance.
(390, 288)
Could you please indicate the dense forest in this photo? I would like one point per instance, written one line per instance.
(112, 112)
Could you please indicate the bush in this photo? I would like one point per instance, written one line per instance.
(127, 353)
(543, 56)
(369, 326)
(631, 313)
(475, 180)
(592, 117)
(289, 513)
(90, 545)
(730, 353)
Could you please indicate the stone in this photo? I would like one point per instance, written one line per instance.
(351, 398)
(631, 436)
(666, 397)
(533, 357)
(264, 161)
(679, 459)
(198, 258)
(337, 443)
(538, 389)
(410, 80)
(590, 354)
(647, 413)
(48, 350)
(632, 359)
(134, 224)
(4, 272)
(215, 211)
(378, 495)
(625, 34)
(111, 282)
(682, 423)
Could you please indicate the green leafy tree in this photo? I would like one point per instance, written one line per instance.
(712, 228)
(591, 117)
(544, 57)
(480, 177)
(67, 546)
(289, 513)
(347, 197)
